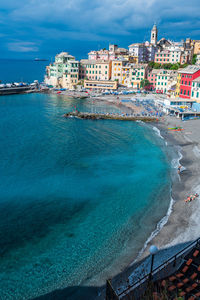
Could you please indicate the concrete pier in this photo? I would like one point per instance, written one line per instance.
(97, 116)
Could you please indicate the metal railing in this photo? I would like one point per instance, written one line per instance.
(172, 259)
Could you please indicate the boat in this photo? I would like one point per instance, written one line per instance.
(175, 128)
(16, 88)
(40, 59)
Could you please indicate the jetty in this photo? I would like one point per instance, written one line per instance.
(107, 116)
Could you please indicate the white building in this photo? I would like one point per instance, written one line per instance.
(64, 72)
(195, 92)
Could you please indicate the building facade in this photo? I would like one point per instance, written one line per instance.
(196, 44)
(166, 79)
(64, 72)
(117, 66)
(195, 92)
(178, 83)
(95, 69)
(188, 74)
(137, 73)
(152, 77)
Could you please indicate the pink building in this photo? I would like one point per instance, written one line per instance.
(152, 77)
(101, 55)
(162, 57)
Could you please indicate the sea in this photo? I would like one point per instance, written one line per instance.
(77, 196)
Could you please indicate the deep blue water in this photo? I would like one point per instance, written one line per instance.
(74, 193)
(16, 70)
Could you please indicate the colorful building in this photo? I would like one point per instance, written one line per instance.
(95, 69)
(137, 73)
(196, 44)
(117, 69)
(195, 93)
(64, 72)
(177, 93)
(162, 57)
(166, 79)
(152, 77)
(188, 75)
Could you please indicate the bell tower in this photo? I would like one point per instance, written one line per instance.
(154, 35)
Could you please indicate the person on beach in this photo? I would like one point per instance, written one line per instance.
(191, 197)
(179, 169)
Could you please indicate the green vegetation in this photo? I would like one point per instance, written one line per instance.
(167, 66)
(144, 83)
(194, 59)
(81, 82)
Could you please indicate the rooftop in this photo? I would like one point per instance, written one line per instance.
(92, 61)
(190, 69)
(197, 79)
(136, 44)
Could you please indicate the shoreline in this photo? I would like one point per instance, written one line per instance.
(181, 227)
(181, 218)
(188, 183)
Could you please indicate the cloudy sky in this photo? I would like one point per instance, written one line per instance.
(42, 28)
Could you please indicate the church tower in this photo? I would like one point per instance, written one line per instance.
(154, 35)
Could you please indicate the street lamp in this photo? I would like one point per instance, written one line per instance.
(153, 250)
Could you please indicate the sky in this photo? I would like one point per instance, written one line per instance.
(43, 28)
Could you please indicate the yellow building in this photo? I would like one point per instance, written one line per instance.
(101, 85)
(178, 85)
(117, 70)
(125, 75)
(69, 80)
(196, 44)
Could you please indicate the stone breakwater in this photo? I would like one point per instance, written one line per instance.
(96, 116)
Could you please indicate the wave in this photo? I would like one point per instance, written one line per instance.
(157, 131)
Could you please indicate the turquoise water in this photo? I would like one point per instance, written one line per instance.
(74, 192)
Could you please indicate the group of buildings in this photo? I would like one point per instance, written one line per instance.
(106, 69)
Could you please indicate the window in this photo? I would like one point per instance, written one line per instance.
(192, 94)
(184, 92)
(197, 94)
(181, 91)
(188, 93)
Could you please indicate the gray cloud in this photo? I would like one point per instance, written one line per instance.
(97, 20)
(22, 47)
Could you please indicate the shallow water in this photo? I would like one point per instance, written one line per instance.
(74, 193)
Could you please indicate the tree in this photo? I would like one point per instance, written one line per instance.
(183, 66)
(157, 66)
(194, 59)
(175, 66)
(144, 83)
(167, 66)
(151, 64)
